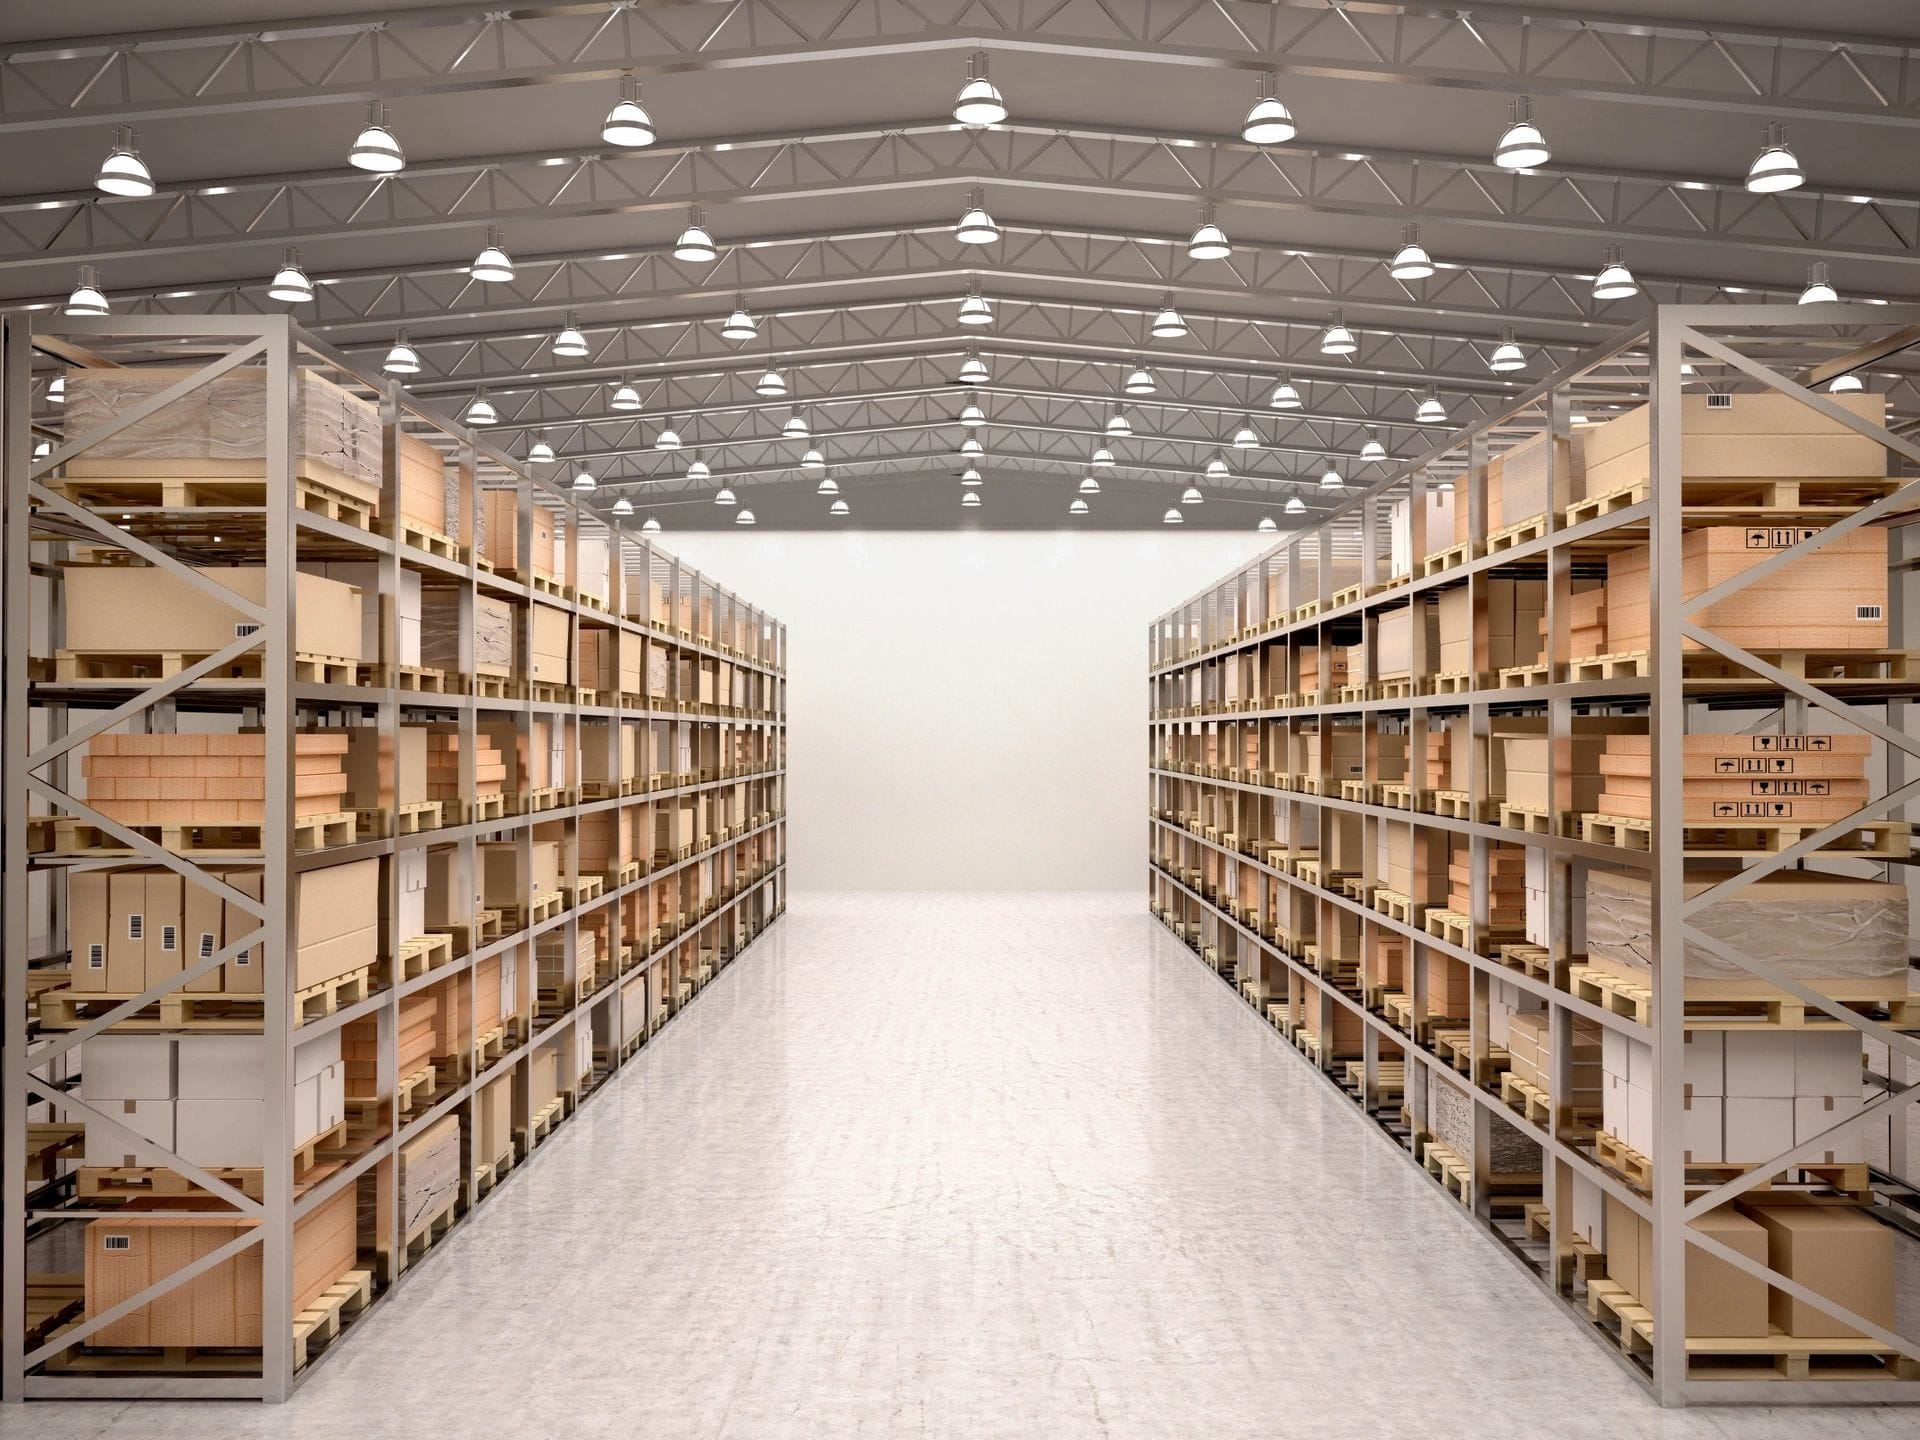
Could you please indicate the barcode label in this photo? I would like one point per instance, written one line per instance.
(136, 927)
(116, 1242)
(96, 957)
(206, 944)
(1867, 612)
(1719, 402)
(169, 939)
(244, 628)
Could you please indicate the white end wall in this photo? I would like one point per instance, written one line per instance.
(967, 710)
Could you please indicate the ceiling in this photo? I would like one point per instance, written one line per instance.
(817, 138)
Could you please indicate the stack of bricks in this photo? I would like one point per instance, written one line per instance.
(1506, 884)
(443, 766)
(208, 779)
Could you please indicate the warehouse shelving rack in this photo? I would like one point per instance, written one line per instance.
(727, 885)
(1237, 806)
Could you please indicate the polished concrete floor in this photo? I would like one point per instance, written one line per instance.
(965, 1166)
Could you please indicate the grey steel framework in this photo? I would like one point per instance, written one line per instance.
(1767, 348)
(36, 783)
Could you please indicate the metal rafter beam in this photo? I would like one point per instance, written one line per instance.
(1390, 186)
(1690, 65)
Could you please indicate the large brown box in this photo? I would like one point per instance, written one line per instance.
(501, 512)
(142, 608)
(508, 879)
(1756, 437)
(220, 1306)
(423, 484)
(551, 643)
(493, 1121)
(1834, 598)
(1835, 1251)
(1393, 638)
(381, 775)
(218, 430)
(207, 779)
(1722, 1301)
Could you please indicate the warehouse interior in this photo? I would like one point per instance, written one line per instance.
(758, 718)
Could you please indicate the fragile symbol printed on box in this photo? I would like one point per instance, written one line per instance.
(1752, 810)
(1793, 742)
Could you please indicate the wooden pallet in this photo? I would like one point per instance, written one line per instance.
(1396, 796)
(421, 953)
(1306, 611)
(548, 797)
(541, 1124)
(1628, 665)
(432, 1230)
(1394, 687)
(1775, 1009)
(591, 887)
(114, 668)
(416, 1091)
(54, 1302)
(1609, 503)
(316, 1002)
(489, 1173)
(489, 1046)
(487, 807)
(1527, 958)
(1451, 682)
(49, 1144)
(1617, 1155)
(319, 1324)
(545, 907)
(68, 1009)
(425, 537)
(1460, 930)
(545, 692)
(1446, 559)
(136, 1182)
(1522, 677)
(1394, 905)
(1456, 804)
(495, 687)
(1508, 537)
(1892, 838)
(312, 832)
(1527, 1098)
(1853, 1179)
(421, 679)
(314, 497)
(1519, 817)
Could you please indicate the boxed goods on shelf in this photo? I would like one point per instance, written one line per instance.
(1449, 987)
(383, 773)
(612, 661)
(1805, 779)
(1393, 639)
(1522, 769)
(1338, 671)
(1411, 860)
(1835, 1251)
(512, 876)
(429, 1175)
(443, 765)
(500, 520)
(365, 577)
(1537, 928)
(220, 1306)
(208, 779)
(219, 429)
(143, 609)
(1761, 436)
(1722, 1300)
(1439, 528)
(593, 555)
(1451, 1113)
(1834, 598)
(424, 489)
(1514, 610)
(551, 662)
(493, 1121)
(1838, 935)
(494, 626)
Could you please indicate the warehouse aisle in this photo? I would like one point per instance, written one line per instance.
(959, 1166)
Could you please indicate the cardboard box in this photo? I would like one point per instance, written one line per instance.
(150, 1123)
(337, 916)
(1756, 437)
(89, 912)
(1835, 1251)
(1723, 1300)
(214, 1133)
(1704, 1126)
(117, 1067)
(493, 1121)
(127, 937)
(1393, 639)
(507, 877)
(382, 774)
(135, 607)
(1760, 1064)
(423, 487)
(1757, 1128)
(501, 521)
(429, 1175)
(1813, 1115)
(552, 642)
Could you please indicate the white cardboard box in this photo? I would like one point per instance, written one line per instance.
(1705, 1054)
(410, 867)
(126, 1067)
(221, 1067)
(1760, 1065)
(149, 1119)
(221, 1132)
(1704, 1121)
(1640, 1119)
(333, 1095)
(1827, 1062)
(318, 1054)
(1814, 1113)
(306, 1110)
(1589, 1217)
(1757, 1128)
(1613, 1105)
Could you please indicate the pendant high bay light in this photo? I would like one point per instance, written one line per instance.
(1819, 289)
(650, 526)
(628, 125)
(1285, 397)
(695, 244)
(480, 409)
(1295, 506)
(87, 299)
(979, 105)
(492, 266)
(772, 383)
(839, 507)
(1089, 486)
(376, 151)
(1078, 507)
(976, 226)
(1337, 339)
(1169, 324)
(740, 325)
(123, 172)
(1373, 449)
(290, 282)
(625, 397)
(540, 452)
(1118, 426)
(1775, 168)
(1615, 281)
(1209, 241)
(570, 344)
(1522, 146)
(402, 359)
(1266, 525)
(1139, 382)
(623, 506)
(1268, 122)
(973, 370)
(1411, 261)
(1507, 355)
(975, 308)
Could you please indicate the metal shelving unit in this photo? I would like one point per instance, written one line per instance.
(1243, 812)
(670, 917)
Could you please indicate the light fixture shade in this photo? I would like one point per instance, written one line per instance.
(625, 397)
(1102, 458)
(839, 507)
(480, 410)
(1078, 507)
(813, 460)
(1192, 496)
(87, 298)
(771, 383)
(1431, 411)
(1173, 517)
(540, 452)
(623, 506)
(57, 390)
(976, 309)
(969, 476)
(1819, 289)
(627, 124)
(1373, 449)
(1268, 122)
(972, 415)
(973, 371)
(1246, 438)
(976, 226)
(1140, 382)
(1209, 241)
(739, 325)
(1411, 261)
(795, 427)
(1169, 324)
(827, 486)
(978, 104)
(970, 499)
(1846, 385)
(1285, 397)
(1507, 355)
(1089, 486)
(376, 151)
(492, 266)
(972, 449)
(1119, 427)
(699, 470)
(1266, 525)
(43, 449)
(123, 172)
(667, 439)
(1615, 281)
(650, 526)
(695, 244)
(1445, 487)
(1337, 339)
(724, 496)
(1330, 479)
(570, 344)
(290, 282)
(1217, 469)
(1295, 506)
(583, 480)
(1522, 147)
(403, 359)
(745, 517)
(1775, 168)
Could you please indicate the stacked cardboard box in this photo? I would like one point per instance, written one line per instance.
(1722, 1300)
(500, 522)
(1443, 773)
(1517, 488)
(1439, 529)
(1522, 761)
(494, 629)
(1835, 1251)
(1411, 860)
(148, 1240)
(1529, 1045)
(1449, 987)
(509, 877)
(1587, 622)
(1393, 639)
(605, 842)
(364, 576)
(1832, 599)
(1833, 933)
(1514, 611)
(1332, 753)
(1339, 671)
(493, 1121)
(208, 779)
(551, 662)
(612, 661)
(443, 765)
(143, 609)
(1802, 779)
(201, 1096)
(1537, 880)
(1506, 883)
(1755, 437)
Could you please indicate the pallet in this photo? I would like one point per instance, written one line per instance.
(541, 1123)
(489, 1046)
(1396, 796)
(1307, 610)
(495, 687)
(314, 497)
(111, 668)
(1613, 501)
(1527, 958)
(1818, 667)
(49, 1143)
(432, 1230)
(425, 537)
(590, 887)
(1451, 682)
(319, 1324)
(421, 679)
(1527, 1098)
(1456, 804)
(423, 953)
(1519, 817)
(548, 797)
(489, 1173)
(545, 907)
(223, 840)
(68, 1009)
(545, 692)
(1774, 1009)
(1394, 905)
(1891, 838)
(139, 1182)
(1523, 677)
(1508, 537)
(378, 823)
(1458, 929)
(1853, 1179)
(54, 1303)
(1394, 687)
(487, 807)
(316, 1002)
(416, 1091)
(1618, 1156)
(1628, 665)
(1446, 559)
